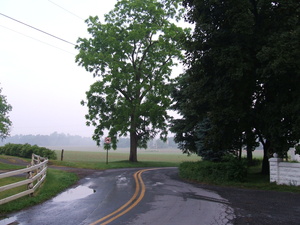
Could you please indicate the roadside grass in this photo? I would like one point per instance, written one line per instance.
(114, 165)
(254, 180)
(56, 182)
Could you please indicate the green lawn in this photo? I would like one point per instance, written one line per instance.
(97, 159)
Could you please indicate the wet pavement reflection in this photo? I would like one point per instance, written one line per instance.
(74, 194)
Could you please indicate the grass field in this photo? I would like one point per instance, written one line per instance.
(155, 155)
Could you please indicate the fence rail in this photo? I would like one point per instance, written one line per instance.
(36, 174)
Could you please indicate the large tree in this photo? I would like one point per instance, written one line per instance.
(242, 76)
(217, 87)
(5, 122)
(132, 55)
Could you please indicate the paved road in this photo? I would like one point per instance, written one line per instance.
(130, 196)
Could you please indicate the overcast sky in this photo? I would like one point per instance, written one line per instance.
(38, 73)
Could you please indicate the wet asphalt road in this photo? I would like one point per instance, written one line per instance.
(160, 197)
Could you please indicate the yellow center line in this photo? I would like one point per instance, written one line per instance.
(139, 185)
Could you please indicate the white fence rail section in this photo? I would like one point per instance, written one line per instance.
(284, 172)
(36, 174)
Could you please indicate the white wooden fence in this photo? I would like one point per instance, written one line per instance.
(35, 175)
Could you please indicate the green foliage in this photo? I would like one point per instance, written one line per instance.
(26, 151)
(132, 54)
(243, 75)
(5, 122)
(214, 172)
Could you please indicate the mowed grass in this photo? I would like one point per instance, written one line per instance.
(120, 159)
(56, 182)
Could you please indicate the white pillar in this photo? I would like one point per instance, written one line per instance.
(274, 168)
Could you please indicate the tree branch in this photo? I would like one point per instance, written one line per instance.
(124, 94)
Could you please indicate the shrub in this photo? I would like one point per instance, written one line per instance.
(232, 170)
(26, 151)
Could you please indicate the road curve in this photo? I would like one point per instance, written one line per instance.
(130, 196)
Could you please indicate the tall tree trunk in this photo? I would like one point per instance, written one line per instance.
(250, 140)
(133, 141)
(249, 154)
(265, 169)
(240, 153)
(133, 147)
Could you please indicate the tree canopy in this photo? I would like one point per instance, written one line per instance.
(132, 55)
(5, 122)
(242, 77)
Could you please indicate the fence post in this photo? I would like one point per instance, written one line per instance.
(62, 155)
(30, 174)
(274, 168)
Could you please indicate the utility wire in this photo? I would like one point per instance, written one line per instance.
(37, 29)
(37, 40)
(66, 10)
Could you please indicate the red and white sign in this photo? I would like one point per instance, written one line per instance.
(107, 140)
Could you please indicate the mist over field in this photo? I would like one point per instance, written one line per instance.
(59, 141)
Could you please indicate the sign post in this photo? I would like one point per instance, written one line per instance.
(107, 142)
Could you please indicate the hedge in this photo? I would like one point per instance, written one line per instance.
(214, 172)
(26, 150)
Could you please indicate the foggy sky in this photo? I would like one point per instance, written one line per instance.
(38, 73)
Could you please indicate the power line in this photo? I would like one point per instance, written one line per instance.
(37, 40)
(66, 10)
(38, 29)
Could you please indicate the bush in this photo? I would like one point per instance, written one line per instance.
(26, 151)
(232, 170)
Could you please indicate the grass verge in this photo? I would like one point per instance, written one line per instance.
(114, 165)
(253, 180)
(56, 182)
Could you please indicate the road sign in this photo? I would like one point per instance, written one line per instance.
(107, 140)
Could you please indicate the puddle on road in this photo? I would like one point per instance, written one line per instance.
(10, 220)
(74, 194)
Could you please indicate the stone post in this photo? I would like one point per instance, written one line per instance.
(274, 168)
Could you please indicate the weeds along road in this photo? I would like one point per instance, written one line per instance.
(130, 196)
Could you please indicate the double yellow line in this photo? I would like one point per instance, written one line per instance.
(135, 199)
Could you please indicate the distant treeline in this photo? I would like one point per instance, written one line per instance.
(61, 139)
(54, 139)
